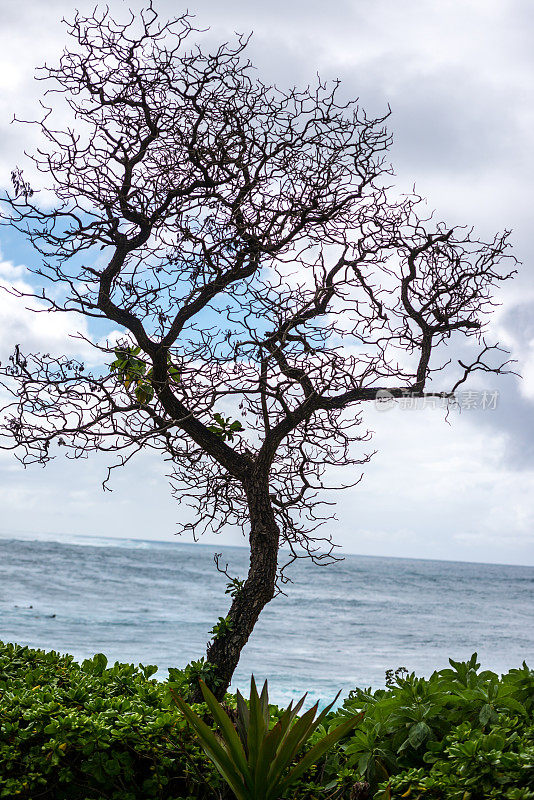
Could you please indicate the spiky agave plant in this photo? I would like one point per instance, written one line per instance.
(256, 761)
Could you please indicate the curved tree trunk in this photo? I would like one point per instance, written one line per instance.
(258, 589)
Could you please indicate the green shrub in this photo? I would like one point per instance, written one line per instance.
(469, 764)
(462, 734)
(88, 731)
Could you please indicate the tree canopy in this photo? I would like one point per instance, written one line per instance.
(267, 279)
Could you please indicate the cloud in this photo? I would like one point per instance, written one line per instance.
(28, 323)
(10, 271)
(445, 490)
(517, 329)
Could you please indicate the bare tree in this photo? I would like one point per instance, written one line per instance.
(267, 280)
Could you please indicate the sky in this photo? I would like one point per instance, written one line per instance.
(458, 76)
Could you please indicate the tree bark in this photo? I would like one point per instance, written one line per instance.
(224, 651)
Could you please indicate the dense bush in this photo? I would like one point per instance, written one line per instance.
(462, 734)
(87, 730)
(469, 763)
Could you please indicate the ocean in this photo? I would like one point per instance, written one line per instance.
(339, 626)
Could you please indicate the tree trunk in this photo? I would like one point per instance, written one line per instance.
(224, 651)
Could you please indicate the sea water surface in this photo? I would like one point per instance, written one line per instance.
(338, 627)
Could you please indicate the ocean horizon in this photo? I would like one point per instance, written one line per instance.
(338, 627)
(83, 539)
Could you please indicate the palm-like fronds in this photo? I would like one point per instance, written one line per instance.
(257, 763)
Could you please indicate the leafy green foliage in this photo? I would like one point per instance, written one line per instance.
(234, 587)
(256, 758)
(224, 427)
(78, 732)
(132, 371)
(221, 627)
(90, 731)
(185, 681)
(469, 764)
(462, 728)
